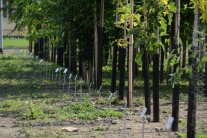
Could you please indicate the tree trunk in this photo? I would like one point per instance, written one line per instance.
(100, 46)
(122, 64)
(66, 50)
(80, 65)
(52, 51)
(30, 46)
(73, 60)
(40, 49)
(146, 82)
(60, 56)
(114, 60)
(95, 46)
(156, 75)
(205, 79)
(1, 27)
(36, 48)
(191, 120)
(175, 95)
(130, 61)
(184, 53)
(162, 65)
(46, 52)
(54, 54)
(122, 53)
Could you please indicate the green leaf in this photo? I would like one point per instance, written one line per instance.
(172, 6)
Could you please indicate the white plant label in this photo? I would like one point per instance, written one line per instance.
(56, 70)
(30, 54)
(76, 77)
(110, 96)
(100, 88)
(65, 71)
(169, 123)
(41, 61)
(70, 76)
(37, 57)
(143, 112)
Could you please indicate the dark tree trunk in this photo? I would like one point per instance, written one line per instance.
(66, 51)
(175, 107)
(36, 48)
(191, 121)
(54, 54)
(175, 100)
(136, 69)
(162, 65)
(205, 79)
(80, 64)
(47, 52)
(184, 54)
(30, 46)
(114, 60)
(100, 46)
(146, 81)
(122, 73)
(135, 65)
(156, 75)
(176, 91)
(114, 66)
(41, 46)
(73, 60)
(60, 56)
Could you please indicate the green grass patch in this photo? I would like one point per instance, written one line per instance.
(41, 109)
(198, 135)
(84, 111)
(15, 43)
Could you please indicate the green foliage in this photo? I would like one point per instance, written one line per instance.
(182, 135)
(198, 135)
(202, 4)
(15, 43)
(154, 14)
(85, 110)
(11, 105)
(34, 111)
(138, 101)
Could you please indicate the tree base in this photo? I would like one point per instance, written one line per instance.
(1, 51)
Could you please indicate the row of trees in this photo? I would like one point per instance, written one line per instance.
(79, 34)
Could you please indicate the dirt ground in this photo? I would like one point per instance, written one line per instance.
(129, 126)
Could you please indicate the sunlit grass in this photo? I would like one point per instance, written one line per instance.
(15, 43)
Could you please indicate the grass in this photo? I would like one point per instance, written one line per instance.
(32, 97)
(15, 43)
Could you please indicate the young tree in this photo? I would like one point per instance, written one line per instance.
(1, 27)
(114, 60)
(130, 70)
(175, 94)
(191, 120)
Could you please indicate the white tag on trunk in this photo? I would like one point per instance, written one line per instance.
(110, 96)
(41, 61)
(143, 112)
(169, 123)
(56, 70)
(70, 76)
(65, 71)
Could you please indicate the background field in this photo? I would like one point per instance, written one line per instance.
(15, 42)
